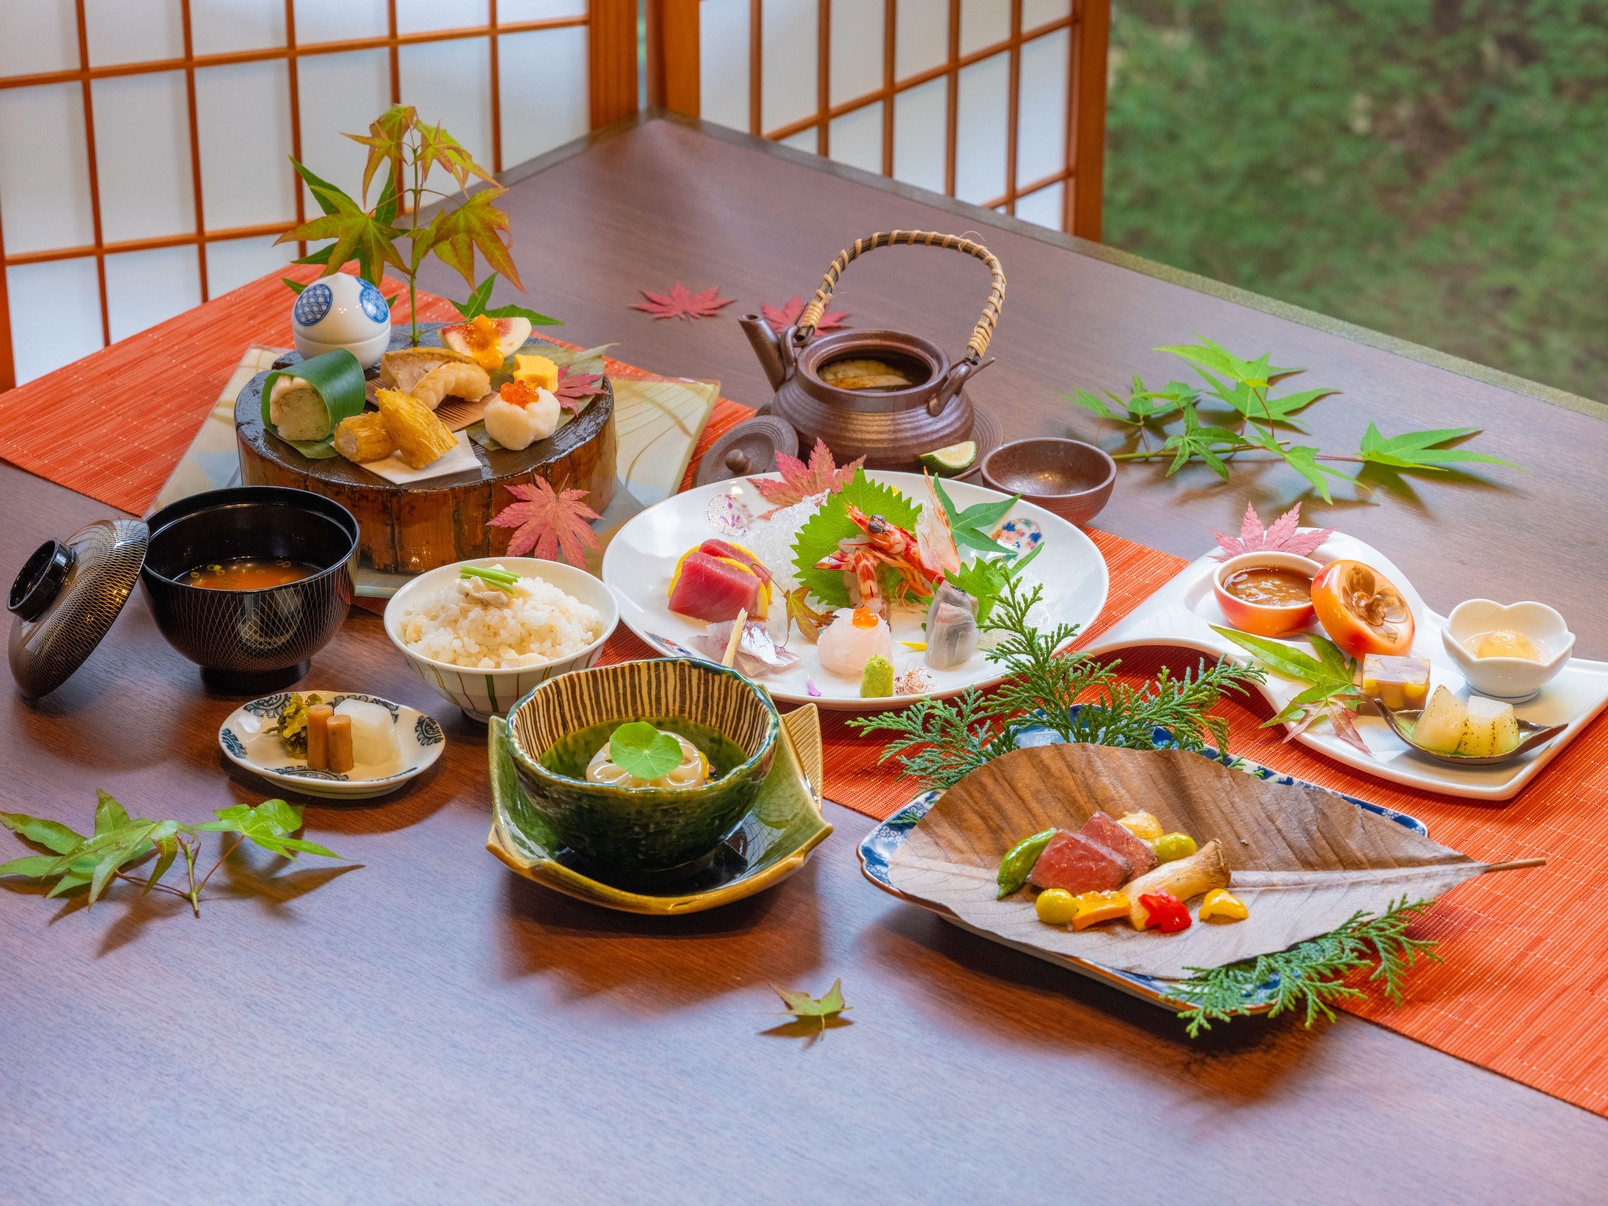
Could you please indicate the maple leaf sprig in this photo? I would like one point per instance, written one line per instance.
(549, 522)
(801, 481)
(802, 1007)
(1333, 691)
(1258, 423)
(682, 302)
(575, 388)
(409, 150)
(1284, 536)
(780, 319)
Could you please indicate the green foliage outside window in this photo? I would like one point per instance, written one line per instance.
(1434, 169)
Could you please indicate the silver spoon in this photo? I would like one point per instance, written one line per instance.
(1401, 723)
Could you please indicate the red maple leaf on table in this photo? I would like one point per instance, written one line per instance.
(801, 481)
(682, 302)
(575, 388)
(549, 522)
(780, 320)
(1282, 537)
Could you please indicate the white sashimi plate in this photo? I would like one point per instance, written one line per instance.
(250, 739)
(1183, 611)
(643, 554)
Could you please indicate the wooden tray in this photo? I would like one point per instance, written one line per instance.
(417, 527)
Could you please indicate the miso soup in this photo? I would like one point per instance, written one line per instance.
(248, 573)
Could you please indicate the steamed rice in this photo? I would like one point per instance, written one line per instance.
(540, 624)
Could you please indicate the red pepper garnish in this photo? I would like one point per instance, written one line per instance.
(1165, 912)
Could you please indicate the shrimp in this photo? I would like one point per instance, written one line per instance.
(934, 540)
(467, 381)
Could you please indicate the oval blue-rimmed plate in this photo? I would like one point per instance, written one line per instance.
(877, 848)
(250, 739)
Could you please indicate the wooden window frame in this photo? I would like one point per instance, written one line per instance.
(611, 85)
(674, 75)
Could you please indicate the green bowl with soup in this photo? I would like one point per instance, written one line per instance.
(652, 833)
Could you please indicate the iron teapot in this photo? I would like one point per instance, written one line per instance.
(919, 405)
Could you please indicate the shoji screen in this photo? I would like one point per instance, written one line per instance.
(143, 164)
(997, 102)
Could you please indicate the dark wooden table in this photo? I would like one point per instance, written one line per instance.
(427, 1027)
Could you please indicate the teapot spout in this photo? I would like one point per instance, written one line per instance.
(767, 347)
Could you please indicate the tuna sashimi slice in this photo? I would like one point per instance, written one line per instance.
(1103, 829)
(1079, 864)
(722, 548)
(712, 589)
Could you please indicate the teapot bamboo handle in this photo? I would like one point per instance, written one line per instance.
(977, 345)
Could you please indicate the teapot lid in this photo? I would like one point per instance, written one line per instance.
(66, 597)
(748, 448)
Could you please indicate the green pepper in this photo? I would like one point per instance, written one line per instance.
(1018, 862)
(1172, 846)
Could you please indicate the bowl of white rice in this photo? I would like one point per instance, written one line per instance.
(484, 648)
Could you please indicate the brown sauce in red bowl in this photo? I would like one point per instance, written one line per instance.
(1270, 586)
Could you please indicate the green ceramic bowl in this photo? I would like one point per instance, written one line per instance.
(646, 834)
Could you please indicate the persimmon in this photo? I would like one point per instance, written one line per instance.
(1361, 610)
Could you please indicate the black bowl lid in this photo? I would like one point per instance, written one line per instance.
(66, 597)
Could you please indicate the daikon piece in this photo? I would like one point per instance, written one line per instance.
(318, 736)
(374, 738)
(1440, 725)
(340, 744)
(1491, 729)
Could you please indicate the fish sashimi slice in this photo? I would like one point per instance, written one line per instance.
(714, 590)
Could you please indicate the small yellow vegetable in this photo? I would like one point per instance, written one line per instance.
(1056, 906)
(1172, 846)
(1220, 906)
(1142, 825)
(1095, 907)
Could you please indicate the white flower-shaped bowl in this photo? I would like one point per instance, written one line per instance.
(486, 693)
(1515, 679)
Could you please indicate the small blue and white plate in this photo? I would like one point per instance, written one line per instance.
(250, 739)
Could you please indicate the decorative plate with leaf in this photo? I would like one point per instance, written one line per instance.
(250, 739)
(643, 555)
(1185, 613)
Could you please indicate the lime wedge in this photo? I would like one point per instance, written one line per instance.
(957, 458)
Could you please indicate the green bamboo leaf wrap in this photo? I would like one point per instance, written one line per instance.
(337, 378)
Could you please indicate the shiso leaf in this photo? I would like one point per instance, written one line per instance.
(819, 537)
(642, 750)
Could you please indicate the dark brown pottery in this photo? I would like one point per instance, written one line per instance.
(251, 640)
(1068, 477)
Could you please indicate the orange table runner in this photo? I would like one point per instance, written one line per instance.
(1522, 989)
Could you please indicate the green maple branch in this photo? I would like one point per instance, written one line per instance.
(1246, 387)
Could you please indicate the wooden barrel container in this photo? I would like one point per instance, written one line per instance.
(417, 527)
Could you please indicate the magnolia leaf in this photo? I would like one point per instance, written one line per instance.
(1417, 449)
(642, 750)
(386, 141)
(1282, 536)
(477, 224)
(801, 481)
(803, 1006)
(52, 835)
(268, 825)
(549, 522)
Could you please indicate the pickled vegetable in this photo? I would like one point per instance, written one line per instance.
(1095, 907)
(1489, 730)
(1056, 906)
(1172, 846)
(1220, 906)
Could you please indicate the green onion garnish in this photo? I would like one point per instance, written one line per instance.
(501, 579)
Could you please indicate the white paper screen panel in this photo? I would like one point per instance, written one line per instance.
(943, 98)
(103, 238)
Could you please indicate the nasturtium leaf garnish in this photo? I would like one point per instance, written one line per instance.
(644, 751)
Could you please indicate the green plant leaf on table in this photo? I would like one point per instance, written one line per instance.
(804, 1007)
(1312, 976)
(1417, 449)
(268, 825)
(1333, 692)
(644, 751)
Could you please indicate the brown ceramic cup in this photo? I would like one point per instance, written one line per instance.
(1067, 477)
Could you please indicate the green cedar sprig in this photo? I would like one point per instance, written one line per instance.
(1312, 976)
(940, 742)
(120, 842)
(1256, 422)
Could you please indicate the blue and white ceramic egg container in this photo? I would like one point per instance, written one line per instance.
(342, 311)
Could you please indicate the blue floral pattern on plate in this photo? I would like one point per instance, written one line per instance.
(877, 849)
